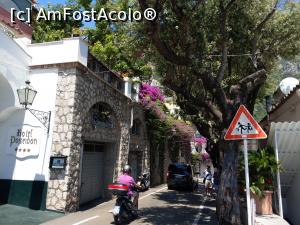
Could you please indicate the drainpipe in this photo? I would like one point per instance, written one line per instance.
(278, 176)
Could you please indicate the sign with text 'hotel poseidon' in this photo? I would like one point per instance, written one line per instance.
(24, 141)
(244, 126)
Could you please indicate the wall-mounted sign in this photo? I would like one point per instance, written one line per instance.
(24, 141)
(58, 162)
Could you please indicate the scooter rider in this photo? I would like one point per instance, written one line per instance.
(128, 180)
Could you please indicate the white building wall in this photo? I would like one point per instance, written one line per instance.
(127, 90)
(65, 51)
(14, 70)
(32, 167)
(293, 199)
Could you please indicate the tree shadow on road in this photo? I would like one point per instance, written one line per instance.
(176, 215)
(180, 208)
(177, 197)
(184, 197)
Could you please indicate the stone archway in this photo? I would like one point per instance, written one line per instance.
(101, 138)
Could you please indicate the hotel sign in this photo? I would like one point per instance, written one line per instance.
(24, 141)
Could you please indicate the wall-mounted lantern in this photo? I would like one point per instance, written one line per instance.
(26, 97)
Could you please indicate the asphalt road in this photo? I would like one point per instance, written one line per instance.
(157, 206)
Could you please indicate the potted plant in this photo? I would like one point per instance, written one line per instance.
(262, 170)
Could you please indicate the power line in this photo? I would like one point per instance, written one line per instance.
(232, 55)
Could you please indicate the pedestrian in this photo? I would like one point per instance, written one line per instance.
(208, 181)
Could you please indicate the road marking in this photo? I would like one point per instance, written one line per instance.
(153, 192)
(199, 214)
(85, 220)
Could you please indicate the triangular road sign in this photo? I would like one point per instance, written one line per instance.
(244, 126)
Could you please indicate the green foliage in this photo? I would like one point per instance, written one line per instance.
(119, 45)
(158, 130)
(262, 169)
(198, 37)
(54, 30)
(195, 159)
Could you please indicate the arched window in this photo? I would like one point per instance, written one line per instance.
(101, 116)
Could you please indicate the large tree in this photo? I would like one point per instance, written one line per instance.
(216, 55)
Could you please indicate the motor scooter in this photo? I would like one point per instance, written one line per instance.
(144, 181)
(124, 210)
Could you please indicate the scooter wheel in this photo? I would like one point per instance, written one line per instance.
(117, 220)
(144, 187)
(134, 214)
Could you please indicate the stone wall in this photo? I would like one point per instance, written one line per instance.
(140, 143)
(78, 89)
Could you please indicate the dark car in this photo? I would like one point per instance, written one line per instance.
(181, 175)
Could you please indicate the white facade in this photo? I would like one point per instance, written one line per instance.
(64, 51)
(31, 163)
(16, 55)
(132, 88)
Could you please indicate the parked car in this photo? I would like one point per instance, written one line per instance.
(181, 175)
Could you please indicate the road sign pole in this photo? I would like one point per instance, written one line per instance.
(247, 181)
(243, 127)
(278, 176)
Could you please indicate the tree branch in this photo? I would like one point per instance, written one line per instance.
(260, 26)
(224, 39)
(199, 102)
(257, 31)
(229, 5)
(249, 83)
(161, 46)
(210, 84)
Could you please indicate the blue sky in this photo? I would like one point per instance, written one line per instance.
(45, 3)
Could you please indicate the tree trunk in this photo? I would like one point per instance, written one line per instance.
(228, 202)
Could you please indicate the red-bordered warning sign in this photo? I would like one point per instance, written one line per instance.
(244, 126)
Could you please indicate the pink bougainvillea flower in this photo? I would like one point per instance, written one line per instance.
(150, 93)
(205, 156)
(200, 140)
(149, 97)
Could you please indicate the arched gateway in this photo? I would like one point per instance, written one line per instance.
(92, 122)
(101, 135)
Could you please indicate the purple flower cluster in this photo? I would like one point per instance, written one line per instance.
(200, 140)
(205, 156)
(150, 93)
(149, 97)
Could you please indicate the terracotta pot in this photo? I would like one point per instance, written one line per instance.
(263, 205)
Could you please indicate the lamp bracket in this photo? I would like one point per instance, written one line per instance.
(43, 117)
